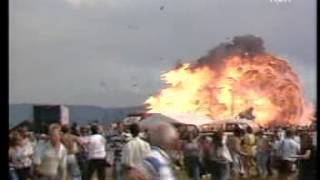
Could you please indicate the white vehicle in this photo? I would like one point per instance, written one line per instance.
(191, 121)
(229, 125)
(64, 115)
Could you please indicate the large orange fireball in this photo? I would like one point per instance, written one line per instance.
(240, 77)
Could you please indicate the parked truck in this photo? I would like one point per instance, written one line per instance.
(48, 114)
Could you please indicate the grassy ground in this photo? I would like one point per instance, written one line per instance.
(181, 175)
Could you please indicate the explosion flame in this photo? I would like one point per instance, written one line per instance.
(232, 78)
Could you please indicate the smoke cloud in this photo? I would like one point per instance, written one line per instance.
(246, 45)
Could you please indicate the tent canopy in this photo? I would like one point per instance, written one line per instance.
(182, 118)
(192, 119)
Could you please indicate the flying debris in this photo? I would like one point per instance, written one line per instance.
(162, 8)
(102, 84)
(247, 114)
(134, 81)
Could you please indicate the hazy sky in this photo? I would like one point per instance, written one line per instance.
(112, 52)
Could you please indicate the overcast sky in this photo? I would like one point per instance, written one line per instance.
(112, 52)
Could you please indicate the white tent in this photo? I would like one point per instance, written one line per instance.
(181, 118)
(193, 119)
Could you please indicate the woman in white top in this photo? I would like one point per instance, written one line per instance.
(96, 154)
(20, 156)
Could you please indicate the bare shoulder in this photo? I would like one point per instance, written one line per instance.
(136, 174)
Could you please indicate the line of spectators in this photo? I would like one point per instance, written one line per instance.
(156, 153)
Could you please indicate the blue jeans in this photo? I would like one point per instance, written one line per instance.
(73, 167)
(220, 171)
(192, 164)
(262, 162)
(13, 175)
(82, 159)
(237, 164)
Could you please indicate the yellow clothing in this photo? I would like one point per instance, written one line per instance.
(249, 142)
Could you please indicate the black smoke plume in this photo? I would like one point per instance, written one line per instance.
(246, 45)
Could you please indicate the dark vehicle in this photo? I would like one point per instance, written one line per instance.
(48, 114)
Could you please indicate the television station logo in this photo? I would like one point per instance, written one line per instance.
(280, 1)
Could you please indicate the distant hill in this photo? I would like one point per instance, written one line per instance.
(81, 114)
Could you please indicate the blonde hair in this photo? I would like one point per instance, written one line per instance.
(54, 128)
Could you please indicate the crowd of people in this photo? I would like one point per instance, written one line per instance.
(159, 152)
(284, 153)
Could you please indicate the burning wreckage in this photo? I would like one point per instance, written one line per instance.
(235, 80)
